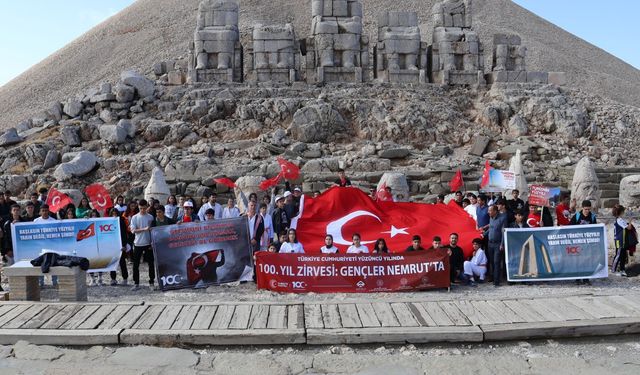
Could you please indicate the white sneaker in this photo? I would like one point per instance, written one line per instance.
(623, 274)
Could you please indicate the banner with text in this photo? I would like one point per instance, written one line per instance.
(500, 181)
(543, 196)
(197, 255)
(362, 273)
(98, 240)
(559, 253)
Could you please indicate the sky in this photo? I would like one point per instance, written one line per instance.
(31, 30)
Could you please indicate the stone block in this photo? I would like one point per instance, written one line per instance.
(355, 8)
(519, 77)
(340, 8)
(102, 98)
(215, 34)
(176, 78)
(479, 145)
(538, 77)
(324, 27)
(317, 8)
(558, 78)
(494, 77)
(346, 42)
(217, 46)
(327, 10)
(508, 39)
(350, 25)
(225, 17)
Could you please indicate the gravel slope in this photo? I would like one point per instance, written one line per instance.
(152, 30)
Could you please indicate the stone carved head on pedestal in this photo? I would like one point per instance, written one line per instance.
(399, 41)
(452, 13)
(273, 46)
(585, 184)
(630, 191)
(337, 30)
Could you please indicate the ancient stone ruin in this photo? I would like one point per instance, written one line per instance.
(585, 185)
(457, 56)
(216, 53)
(337, 51)
(274, 54)
(400, 55)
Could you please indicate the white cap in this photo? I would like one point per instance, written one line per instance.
(278, 197)
(287, 193)
(188, 204)
(297, 189)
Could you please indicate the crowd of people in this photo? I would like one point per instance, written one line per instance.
(270, 219)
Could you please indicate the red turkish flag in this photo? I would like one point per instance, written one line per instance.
(99, 197)
(486, 174)
(57, 200)
(342, 212)
(457, 182)
(383, 195)
(226, 182)
(86, 233)
(290, 171)
(264, 185)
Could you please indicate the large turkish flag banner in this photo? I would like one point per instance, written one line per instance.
(342, 212)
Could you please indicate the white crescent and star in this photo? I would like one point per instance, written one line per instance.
(101, 201)
(335, 228)
(55, 201)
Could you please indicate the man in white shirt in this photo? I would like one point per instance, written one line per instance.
(212, 203)
(478, 264)
(44, 215)
(231, 211)
(472, 208)
(140, 226)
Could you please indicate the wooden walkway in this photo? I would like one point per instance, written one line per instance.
(317, 323)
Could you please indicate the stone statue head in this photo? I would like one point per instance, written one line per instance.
(585, 184)
(630, 191)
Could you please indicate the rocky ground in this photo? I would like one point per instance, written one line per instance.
(616, 355)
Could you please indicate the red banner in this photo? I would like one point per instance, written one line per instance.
(342, 212)
(350, 273)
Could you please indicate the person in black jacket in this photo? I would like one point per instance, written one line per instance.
(280, 218)
(123, 256)
(256, 226)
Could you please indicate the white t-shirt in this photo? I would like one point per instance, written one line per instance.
(330, 250)
(41, 220)
(471, 210)
(230, 213)
(291, 248)
(480, 259)
(357, 250)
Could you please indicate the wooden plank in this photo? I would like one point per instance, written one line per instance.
(437, 314)
(149, 317)
(58, 337)
(5, 308)
(632, 305)
(259, 317)
(349, 316)
(24, 317)
(367, 315)
(167, 318)
(205, 317)
(488, 311)
(295, 317)
(421, 315)
(223, 317)
(574, 328)
(277, 317)
(523, 311)
(241, 317)
(540, 308)
(44, 316)
(399, 335)
(452, 311)
(331, 316)
(614, 312)
(131, 317)
(505, 311)
(313, 316)
(226, 337)
(80, 317)
(10, 315)
(474, 316)
(186, 317)
(585, 305)
(116, 315)
(404, 315)
(97, 317)
(566, 309)
(59, 319)
(385, 314)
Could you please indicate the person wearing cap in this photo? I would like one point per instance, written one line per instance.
(280, 218)
(212, 203)
(188, 215)
(290, 204)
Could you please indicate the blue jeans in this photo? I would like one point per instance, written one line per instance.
(496, 262)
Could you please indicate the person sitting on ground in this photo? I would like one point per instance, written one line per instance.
(380, 247)
(456, 257)
(342, 180)
(357, 247)
(293, 246)
(477, 266)
(416, 244)
(329, 247)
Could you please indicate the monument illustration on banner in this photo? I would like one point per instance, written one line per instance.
(534, 259)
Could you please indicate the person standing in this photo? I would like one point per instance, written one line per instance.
(161, 218)
(621, 238)
(516, 203)
(357, 247)
(188, 216)
(30, 212)
(519, 222)
(212, 203)
(329, 247)
(171, 208)
(495, 236)
(584, 217)
(482, 213)
(141, 228)
(472, 207)
(256, 226)
(267, 235)
(230, 211)
(342, 180)
(83, 210)
(564, 210)
(280, 218)
(380, 247)
(456, 257)
(114, 212)
(416, 244)
(44, 218)
(120, 205)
